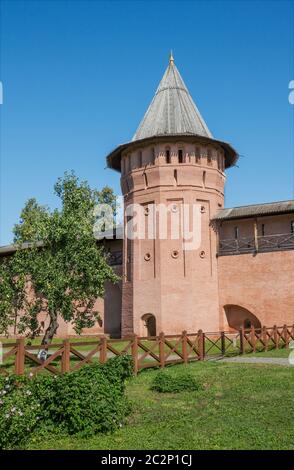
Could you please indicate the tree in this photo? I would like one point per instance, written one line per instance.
(58, 267)
(12, 294)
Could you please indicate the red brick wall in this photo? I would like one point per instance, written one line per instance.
(262, 283)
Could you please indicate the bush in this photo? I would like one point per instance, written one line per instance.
(86, 401)
(20, 411)
(165, 382)
(92, 399)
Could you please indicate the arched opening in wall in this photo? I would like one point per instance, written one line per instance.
(180, 155)
(238, 317)
(167, 156)
(149, 325)
(197, 154)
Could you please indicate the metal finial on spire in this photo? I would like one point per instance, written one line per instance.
(171, 58)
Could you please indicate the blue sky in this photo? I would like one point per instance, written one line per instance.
(78, 77)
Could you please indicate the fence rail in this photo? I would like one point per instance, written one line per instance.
(158, 351)
(262, 243)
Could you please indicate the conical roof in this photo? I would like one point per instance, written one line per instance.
(172, 113)
(172, 110)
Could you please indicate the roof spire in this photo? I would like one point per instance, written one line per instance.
(172, 110)
(171, 58)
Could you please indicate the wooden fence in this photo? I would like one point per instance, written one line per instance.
(158, 351)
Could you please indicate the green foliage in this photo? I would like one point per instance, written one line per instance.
(240, 406)
(12, 293)
(84, 402)
(165, 382)
(20, 411)
(58, 267)
(91, 400)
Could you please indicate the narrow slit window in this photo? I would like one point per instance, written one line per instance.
(209, 157)
(197, 154)
(167, 156)
(176, 177)
(180, 156)
(292, 226)
(204, 178)
(263, 230)
(236, 232)
(152, 156)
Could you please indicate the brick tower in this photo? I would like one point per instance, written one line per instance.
(173, 161)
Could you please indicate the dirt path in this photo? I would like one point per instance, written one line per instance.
(278, 361)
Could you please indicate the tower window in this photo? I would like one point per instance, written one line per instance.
(292, 226)
(152, 156)
(176, 177)
(197, 154)
(167, 156)
(204, 179)
(180, 156)
(209, 157)
(236, 232)
(263, 230)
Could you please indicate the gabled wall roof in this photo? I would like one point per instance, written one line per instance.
(256, 210)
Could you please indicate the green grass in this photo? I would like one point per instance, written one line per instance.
(240, 406)
(272, 353)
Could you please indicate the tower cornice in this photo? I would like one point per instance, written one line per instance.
(114, 157)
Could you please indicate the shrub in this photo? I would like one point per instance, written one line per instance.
(165, 382)
(92, 399)
(20, 411)
(86, 401)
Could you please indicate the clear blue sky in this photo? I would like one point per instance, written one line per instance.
(78, 77)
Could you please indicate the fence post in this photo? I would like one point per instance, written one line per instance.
(201, 345)
(253, 338)
(242, 345)
(223, 343)
(20, 357)
(264, 337)
(276, 336)
(161, 350)
(65, 360)
(184, 347)
(103, 349)
(286, 336)
(135, 354)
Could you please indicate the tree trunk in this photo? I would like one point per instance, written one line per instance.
(51, 330)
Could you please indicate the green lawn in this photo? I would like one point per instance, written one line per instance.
(272, 353)
(241, 406)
